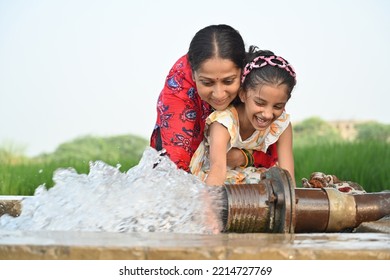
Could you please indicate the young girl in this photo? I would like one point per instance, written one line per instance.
(254, 122)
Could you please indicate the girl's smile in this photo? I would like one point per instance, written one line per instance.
(263, 107)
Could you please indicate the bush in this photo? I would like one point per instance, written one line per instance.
(90, 148)
(315, 131)
(373, 131)
(22, 177)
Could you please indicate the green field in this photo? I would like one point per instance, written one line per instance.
(317, 147)
(366, 163)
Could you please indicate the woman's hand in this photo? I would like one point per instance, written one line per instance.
(235, 158)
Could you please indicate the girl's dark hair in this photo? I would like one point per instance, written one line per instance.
(216, 41)
(268, 74)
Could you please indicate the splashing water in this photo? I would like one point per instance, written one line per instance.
(146, 198)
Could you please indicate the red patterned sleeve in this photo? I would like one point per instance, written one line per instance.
(181, 116)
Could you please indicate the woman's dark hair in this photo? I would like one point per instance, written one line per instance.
(268, 74)
(216, 41)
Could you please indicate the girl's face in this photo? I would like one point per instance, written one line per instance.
(263, 106)
(217, 81)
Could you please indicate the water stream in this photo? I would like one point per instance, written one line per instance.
(146, 198)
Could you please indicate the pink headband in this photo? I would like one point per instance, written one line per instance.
(267, 60)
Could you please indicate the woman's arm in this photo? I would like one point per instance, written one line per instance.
(218, 140)
(179, 136)
(285, 151)
(180, 116)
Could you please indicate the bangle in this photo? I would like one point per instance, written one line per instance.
(248, 158)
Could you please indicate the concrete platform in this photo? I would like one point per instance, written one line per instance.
(156, 246)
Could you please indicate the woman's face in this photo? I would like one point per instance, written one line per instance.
(217, 81)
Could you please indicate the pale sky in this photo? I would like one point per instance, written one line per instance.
(70, 68)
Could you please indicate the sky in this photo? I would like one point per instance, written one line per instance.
(71, 68)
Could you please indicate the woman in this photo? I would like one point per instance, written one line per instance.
(207, 78)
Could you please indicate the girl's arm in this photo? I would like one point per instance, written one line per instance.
(285, 151)
(218, 140)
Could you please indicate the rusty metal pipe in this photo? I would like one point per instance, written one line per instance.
(264, 207)
(274, 205)
(312, 210)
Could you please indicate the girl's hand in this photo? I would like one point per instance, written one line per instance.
(235, 158)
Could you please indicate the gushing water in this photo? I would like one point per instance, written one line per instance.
(149, 197)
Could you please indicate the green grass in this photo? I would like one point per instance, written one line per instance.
(366, 163)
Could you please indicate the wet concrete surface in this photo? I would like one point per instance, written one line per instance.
(368, 241)
(158, 246)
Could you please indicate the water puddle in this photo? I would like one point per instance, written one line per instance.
(146, 198)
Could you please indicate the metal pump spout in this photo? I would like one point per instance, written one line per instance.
(275, 206)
